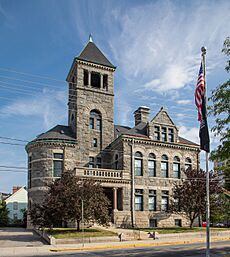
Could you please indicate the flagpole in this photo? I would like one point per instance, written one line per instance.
(203, 50)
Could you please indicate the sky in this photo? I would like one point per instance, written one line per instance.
(154, 44)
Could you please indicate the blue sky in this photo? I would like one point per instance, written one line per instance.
(154, 44)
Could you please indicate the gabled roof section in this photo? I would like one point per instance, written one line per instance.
(186, 141)
(162, 117)
(140, 130)
(91, 53)
(23, 188)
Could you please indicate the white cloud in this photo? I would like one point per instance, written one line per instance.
(190, 133)
(185, 101)
(164, 49)
(49, 106)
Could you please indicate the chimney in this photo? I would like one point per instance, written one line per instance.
(141, 114)
(15, 189)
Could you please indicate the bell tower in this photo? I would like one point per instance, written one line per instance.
(91, 103)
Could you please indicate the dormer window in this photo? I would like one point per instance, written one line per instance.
(171, 135)
(157, 133)
(164, 134)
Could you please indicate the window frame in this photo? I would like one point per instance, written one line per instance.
(164, 197)
(139, 206)
(58, 158)
(164, 161)
(138, 164)
(152, 205)
(176, 172)
(152, 169)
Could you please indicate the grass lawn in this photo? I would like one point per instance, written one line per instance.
(180, 229)
(65, 233)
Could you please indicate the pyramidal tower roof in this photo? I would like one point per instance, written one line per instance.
(91, 53)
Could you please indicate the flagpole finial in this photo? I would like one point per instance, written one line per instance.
(203, 49)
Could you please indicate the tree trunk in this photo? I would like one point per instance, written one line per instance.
(191, 222)
(78, 225)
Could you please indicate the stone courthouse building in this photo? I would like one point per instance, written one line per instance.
(136, 166)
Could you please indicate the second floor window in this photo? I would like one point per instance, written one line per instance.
(91, 162)
(57, 164)
(164, 166)
(138, 164)
(15, 206)
(176, 167)
(152, 165)
(188, 163)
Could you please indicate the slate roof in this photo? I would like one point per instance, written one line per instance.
(58, 132)
(141, 131)
(91, 53)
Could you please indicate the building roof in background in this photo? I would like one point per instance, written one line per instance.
(58, 132)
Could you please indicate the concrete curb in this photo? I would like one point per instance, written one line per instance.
(133, 245)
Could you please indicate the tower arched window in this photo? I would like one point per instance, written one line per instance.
(188, 163)
(176, 167)
(152, 165)
(138, 164)
(95, 120)
(164, 166)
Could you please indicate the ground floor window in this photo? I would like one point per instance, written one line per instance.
(139, 200)
(153, 223)
(178, 223)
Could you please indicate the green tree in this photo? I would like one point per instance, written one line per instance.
(189, 197)
(220, 109)
(63, 203)
(3, 214)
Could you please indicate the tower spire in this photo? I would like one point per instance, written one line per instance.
(90, 38)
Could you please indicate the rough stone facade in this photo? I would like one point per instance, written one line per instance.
(112, 155)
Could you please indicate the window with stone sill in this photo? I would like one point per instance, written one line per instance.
(164, 134)
(188, 163)
(170, 135)
(138, 164)
(94, 142)
(152, 200)
(152, 165)
(57, 164)
(176, 167)
(139, 199)
(165, 201)
(91, 162)
(164, 166)
(157, 133)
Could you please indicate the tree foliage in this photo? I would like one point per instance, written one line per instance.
(3, 214)
(63, 203)
(220, 109)
(190, 196)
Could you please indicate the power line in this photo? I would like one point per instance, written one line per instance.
(14, 139)
(17, 171)
(5, 143)
(32, 75)
(13, 167)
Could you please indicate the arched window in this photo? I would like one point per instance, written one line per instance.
(164, 166)
(116, 162)
(152, 165)
(95, 120)
(138, 164)
(176, 167)
(188, 163)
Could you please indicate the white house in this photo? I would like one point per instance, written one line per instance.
(16, 203)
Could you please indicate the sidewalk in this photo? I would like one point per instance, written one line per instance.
(53, 250)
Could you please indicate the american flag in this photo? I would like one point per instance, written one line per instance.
(199, 93)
